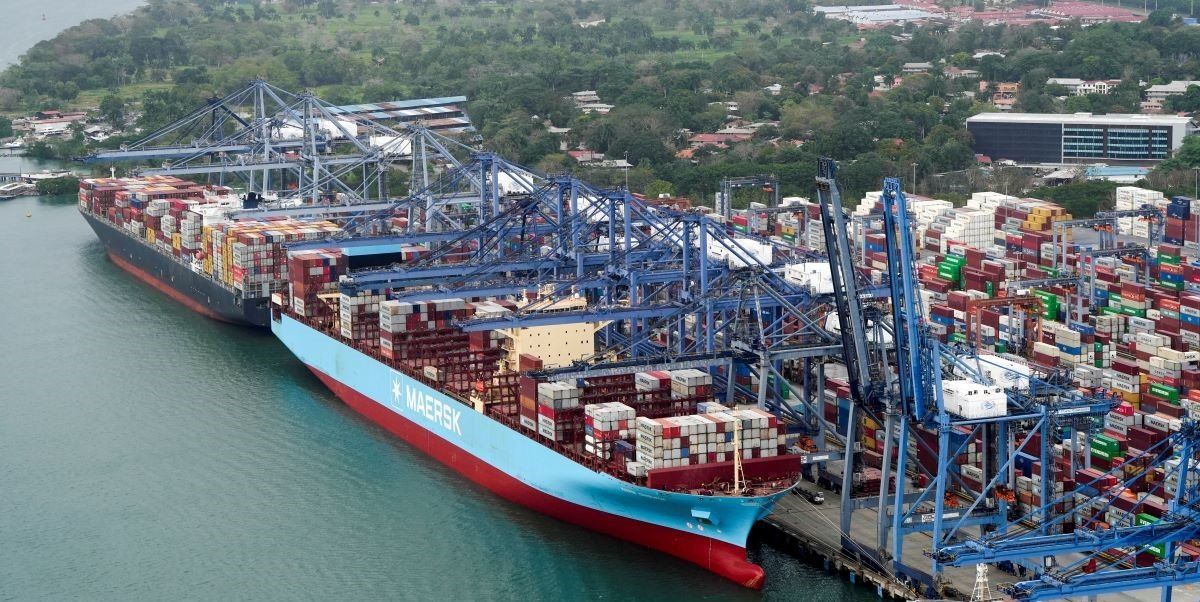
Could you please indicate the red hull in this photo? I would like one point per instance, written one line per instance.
(722, 558)
(158, 285)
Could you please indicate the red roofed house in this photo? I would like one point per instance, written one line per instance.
(717, 139)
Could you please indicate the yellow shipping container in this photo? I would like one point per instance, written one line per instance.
(150, 235)
(176, 241)
(870, 424)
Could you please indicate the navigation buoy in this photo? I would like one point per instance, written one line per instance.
(28, 214)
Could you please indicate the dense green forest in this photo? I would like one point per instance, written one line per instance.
(662, 63)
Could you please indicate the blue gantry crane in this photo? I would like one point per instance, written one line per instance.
(670, 288)
(975, 520)
(291, 149)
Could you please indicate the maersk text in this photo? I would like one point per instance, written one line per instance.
(435, 410)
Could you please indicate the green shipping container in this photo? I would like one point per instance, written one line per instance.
(1129, 311)
(1101, 454)
(958, 337)
(1157, 549)
(1109, 311)
(781, 386)
(1168, 259)
(1168, 393)
(1105, 444)
(1049, 303)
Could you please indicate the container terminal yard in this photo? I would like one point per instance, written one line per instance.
(997, 385)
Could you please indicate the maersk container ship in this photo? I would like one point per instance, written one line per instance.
(709, 530)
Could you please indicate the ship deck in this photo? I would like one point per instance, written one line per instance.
(104, 219)
(755, 488)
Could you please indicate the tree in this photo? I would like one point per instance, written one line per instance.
(112, 109)
(1034, 102)
(1055, 90)
(1078, 104)
(58, 186)
(554, 163)
(1188, 101)
(659, 187)
(810, 115)
(1159, 18)
(1080, 199)
(1187, 157)
(193, 75)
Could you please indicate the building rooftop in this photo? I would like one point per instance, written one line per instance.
(1175, 87)
(891, 15)
(717, 138)
(435, 113)
(834, 10)
(1107, 119)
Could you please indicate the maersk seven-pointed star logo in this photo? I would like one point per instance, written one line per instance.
(397, 390)
(408, 399)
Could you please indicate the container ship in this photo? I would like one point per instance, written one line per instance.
(647, 457)
(185, 240)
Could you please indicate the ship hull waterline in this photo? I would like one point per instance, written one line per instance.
(720, 548)
(192, 290)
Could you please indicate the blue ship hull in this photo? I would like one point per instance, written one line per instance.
(710, 531)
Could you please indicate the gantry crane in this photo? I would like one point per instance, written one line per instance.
(290, 148)
(1041, 410)
(769, 185)
(668, 289)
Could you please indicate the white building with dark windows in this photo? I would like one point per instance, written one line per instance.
(1079, 87)
(1077, 137)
